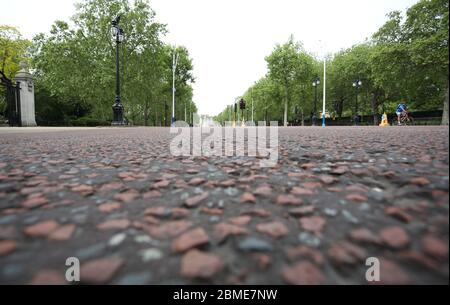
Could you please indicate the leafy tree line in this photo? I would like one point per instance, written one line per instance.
(13, 49)
(74, 67)
(405, 60)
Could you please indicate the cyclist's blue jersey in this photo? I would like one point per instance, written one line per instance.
(401, 107)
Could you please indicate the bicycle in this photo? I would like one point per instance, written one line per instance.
(406, 119)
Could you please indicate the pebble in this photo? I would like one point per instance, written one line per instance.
(349, 217)
(137, 278)
(394, 237)
(41, 229)
(194, 201)
(309, 239)
(240, 220)
(303, 211)
(4, 220)
(190, 239)
(363, 235)
(90, 252)
(342, 202)
(364, 207)
(330, 212)
(302, 251)
(100, 271)
(435, 247)
(114, 224)
(80, 218)
(117, 239)
(356, 198)
(31, 220)
(303, 273)
(199, 264)
(169, 229)
(288, 200)
(214, 219)
(376, 194)
(7, 246)
(231, 191)
(48, 277)
(392, 274)
(313, 224)
(144, 239)
(63, 233)
(247, 198)
(109, 207)
(150, 254)
(12, 271)
(223, 230)
(345, 253)
(274, 229)
(251, 244)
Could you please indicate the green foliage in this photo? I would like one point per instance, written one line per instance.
(291, 68)
(89, 121)
(76, 66)
(13, 50)
(406, 60)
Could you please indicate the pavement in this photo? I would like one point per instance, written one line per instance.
(131, 213)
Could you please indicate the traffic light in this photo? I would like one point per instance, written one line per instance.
(242, 104)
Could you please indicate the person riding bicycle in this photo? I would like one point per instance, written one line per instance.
(401, 108)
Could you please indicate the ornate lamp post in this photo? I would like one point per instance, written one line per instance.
(242, 107)
(117, 108)
(356, 84)
(174, 69)
(316, 83)
(235, 114)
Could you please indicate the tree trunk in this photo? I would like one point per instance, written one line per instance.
(286, 107)
(146, 113)
(340, 107)
(445, 110)
(165, 113)
(375, 109)
(285, 112)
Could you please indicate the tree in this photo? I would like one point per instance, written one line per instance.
(411, 57)
(76, 64)
(289, 66)
(426, 27)
(13, 50)
(264, 94)
(345, 68)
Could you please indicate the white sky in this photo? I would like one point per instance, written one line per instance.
(228, 39)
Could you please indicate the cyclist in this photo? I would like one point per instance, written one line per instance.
(401, 108)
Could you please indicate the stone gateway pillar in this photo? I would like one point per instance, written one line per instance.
(24, 81)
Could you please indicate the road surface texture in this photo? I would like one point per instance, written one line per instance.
(115, 199)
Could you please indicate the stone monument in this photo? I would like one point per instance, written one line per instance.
(24, 80)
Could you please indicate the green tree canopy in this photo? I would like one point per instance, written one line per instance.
(75, 64)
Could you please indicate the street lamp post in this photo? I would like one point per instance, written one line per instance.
(252, 107)
(356, 84)
(235, 114)
(316, 83)
(242, 107)
(117, 108)
(174, 68)
(190, 112)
